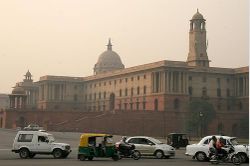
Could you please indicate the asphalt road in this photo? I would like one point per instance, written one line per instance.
(8, 158)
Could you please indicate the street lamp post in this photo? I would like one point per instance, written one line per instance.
(200, 115)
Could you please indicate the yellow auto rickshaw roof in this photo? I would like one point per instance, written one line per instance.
(84, 137)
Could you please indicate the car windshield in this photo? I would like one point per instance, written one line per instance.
(51, 138)
(234, 141)
(156, 141)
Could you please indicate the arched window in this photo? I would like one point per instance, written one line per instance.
(126, 92)
(156, 105)
(112, 101)
(176, 104)
(144, 90)
(132, 91)
(138, 90)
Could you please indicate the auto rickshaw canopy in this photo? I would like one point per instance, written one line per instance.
(85, 137)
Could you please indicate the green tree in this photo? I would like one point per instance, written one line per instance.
(200, 115)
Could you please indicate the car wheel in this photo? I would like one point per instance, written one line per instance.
(82, 157)
(24, 153)
(200, 156)
(243, 157)
(136, 155)
(159, 154)
(57, 153)
(236, 159)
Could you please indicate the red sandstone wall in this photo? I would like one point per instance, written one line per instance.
(123, 123)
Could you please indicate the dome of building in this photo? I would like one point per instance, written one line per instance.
(108, 61)
(18, 90)
(197, 16)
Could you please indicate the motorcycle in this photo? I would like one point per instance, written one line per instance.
(229, 156)
(127, 150)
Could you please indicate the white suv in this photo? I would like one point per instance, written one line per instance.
(30, 143)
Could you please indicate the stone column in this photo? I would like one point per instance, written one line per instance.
(169, 82)
(180, 89)
(172, 81)
(166, 82)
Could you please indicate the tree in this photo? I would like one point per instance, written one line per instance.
(200, 114)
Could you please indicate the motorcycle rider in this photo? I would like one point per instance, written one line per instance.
(212, 145)
(220, 147)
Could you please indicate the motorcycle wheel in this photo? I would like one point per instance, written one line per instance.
(236, 159)
(136, 155)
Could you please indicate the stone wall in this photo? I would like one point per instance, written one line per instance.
(150, 123)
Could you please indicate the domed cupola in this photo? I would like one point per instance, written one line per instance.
(108, 61)
(18, 90)
(197, 16)
(28, 77)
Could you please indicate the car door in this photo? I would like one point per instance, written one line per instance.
(138, 146)
(147, 146)
(43, 145)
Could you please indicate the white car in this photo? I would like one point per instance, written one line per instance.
(30, 143)
(200, 151)
(149, 146)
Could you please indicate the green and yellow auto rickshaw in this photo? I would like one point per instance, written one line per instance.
(97, 145)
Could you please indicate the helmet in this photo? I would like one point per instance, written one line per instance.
(124, 138)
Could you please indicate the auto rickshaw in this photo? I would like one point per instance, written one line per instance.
(97, 145)
(177, 140)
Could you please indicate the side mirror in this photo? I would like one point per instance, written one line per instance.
(47, 140)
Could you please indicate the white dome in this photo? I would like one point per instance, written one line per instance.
(108, 61)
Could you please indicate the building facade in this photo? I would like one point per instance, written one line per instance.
(164, 86)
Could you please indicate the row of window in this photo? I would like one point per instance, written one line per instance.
(121, 93)
(204, 91)
(115, 81)
(204, 79)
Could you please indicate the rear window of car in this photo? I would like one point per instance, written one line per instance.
(25, 138)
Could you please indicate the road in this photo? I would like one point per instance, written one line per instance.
(7, 158)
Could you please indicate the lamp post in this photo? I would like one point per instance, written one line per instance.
(200, 115)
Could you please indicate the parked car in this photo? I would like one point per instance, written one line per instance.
(33, 127)
(30, 143)
(177, 140)
(200, 151)
(148, 146)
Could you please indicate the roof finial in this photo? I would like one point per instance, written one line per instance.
(197, 10)
(109, 45)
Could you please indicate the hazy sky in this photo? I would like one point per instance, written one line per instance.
(65, 37)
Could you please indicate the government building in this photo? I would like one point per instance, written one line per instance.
(163, 86)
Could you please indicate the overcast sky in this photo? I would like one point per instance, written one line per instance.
(65, 37)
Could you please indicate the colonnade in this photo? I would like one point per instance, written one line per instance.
(169, 82)
(18, 101)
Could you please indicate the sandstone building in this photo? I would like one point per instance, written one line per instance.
(163, 86)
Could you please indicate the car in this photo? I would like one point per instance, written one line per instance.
(148, 146)
(33, 127)
(30, 143)
(200, 151)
